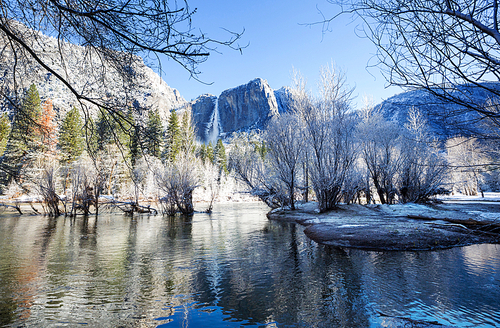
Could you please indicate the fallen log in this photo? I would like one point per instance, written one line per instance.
(17, 208)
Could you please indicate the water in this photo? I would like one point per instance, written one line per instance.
(231, 269)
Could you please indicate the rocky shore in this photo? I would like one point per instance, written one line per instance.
(408, 227)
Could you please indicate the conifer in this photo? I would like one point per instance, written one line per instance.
(172, 138)
(154, 134)
(4, 131)
(71, 139)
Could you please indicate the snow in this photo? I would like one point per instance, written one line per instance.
(488, 197)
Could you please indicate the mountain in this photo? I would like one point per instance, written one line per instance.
(445, 119)
(135, 84)
(246, 107)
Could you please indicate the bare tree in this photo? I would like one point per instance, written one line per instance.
(437, 45)
(381, 152)
(423, 168)
(329, 131)
(178, 180)
(285, 141)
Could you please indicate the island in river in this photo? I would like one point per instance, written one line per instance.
(404, 227)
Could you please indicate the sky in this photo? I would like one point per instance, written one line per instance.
(279, 39)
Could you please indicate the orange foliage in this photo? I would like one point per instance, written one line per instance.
(48, 127)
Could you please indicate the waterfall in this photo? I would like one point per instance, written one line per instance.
(214, 126)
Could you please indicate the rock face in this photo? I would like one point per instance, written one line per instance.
(284, 99)
(203, 115)
(445, 119)
(248, 106)
(133, 85)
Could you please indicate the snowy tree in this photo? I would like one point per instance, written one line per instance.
(423, 169)
(285, 141)
(468, 160)
(381, 151)
(250, 167)
(329, 131)
(178, 180)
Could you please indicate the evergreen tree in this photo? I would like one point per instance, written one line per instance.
(187, 136)
(202, 153)
(210, 152)
(4, 131)
(24, 138)
(219, 156)
(113, 129)
(172, 138)
(153, 134)
(71, 138)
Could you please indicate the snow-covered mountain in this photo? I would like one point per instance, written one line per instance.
(140, 87)
(445, 119)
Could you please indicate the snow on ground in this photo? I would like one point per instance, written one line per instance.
(488, 197)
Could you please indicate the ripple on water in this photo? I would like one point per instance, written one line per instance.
(228, 269)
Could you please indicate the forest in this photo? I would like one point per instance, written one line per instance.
(322, 149)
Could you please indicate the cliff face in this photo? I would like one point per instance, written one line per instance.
(247, 106)
(134, 84)
(445, 119)
(203, 115)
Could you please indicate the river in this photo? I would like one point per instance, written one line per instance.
(229, 269)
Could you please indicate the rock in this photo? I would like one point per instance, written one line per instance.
(284, 99)
(246, 107)
(445, 119)
(134, 84)
(202, 113)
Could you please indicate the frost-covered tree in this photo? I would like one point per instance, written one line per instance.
(329, 132)
(249, 167)
(177, 181)
(381, 143)
(467, 159)
(423, 168)
(285, 142)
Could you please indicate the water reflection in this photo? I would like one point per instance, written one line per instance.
(231, 268)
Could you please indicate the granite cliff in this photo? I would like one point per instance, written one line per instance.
(134, 84)
(245, 107)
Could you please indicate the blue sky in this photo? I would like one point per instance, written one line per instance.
(278, 42)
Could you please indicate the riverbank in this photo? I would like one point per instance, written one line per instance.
(405, 227)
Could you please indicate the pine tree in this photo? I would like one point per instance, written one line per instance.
(24, 138)
(71, 139)
(4, 131)
(172, 138)
(219, 156)
(187, 136)
(210, 153)
(202, 153)
(153, 134)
